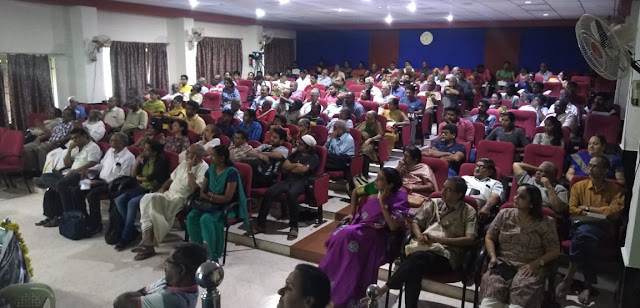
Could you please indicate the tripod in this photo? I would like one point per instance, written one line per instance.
(257, 65)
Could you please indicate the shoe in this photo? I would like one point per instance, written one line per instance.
(53, 223)
(43, 222)
(122, 245)
(93, 231)
(146, 253)
(293, 234)
(139, 248)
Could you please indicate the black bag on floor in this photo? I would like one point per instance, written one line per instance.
(114, 231)
(73, 225)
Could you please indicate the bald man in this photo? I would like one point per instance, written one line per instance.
(203, 85)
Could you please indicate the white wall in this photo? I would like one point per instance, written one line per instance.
(281, 33)
(133, 28)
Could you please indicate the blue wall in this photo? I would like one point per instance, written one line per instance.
(555, 46)
(457, 47)
(333, 46)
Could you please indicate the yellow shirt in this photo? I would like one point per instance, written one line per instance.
(609, 198)
(196, 124)
(155, 108)
(175, 113)
(185, 89)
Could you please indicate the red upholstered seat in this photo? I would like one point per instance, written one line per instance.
(32, 117)
(11, 154)
(321, 133)
(254, 143)
(526, 120)
(136, 151)
(193, 136)
(478, 130)
(356, 88)
(535, 154)
(500, 152)
(244, 92)
(440, 169)
(369, 106)
(224, 140)
(208, 119)
(586, 79)
(596, 124)
(212, 100)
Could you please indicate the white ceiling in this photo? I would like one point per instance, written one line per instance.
(325, 12)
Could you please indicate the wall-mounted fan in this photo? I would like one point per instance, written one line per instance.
(605, 47)
(195, 36)
(97, 42)
(265, 39)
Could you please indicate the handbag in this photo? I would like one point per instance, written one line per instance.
(205, 205)
(415, 201)
(435, 229)
(114, 230)
(73, 225)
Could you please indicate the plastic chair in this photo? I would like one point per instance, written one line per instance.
(28, 295)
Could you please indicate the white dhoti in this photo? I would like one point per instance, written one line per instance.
(158, 211)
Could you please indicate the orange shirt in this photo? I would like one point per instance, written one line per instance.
(609, 198)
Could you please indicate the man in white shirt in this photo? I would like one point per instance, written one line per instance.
(376, 94)
(158, 210)
(567, 96)
(303, 80)
(486, 191)
(324, 78)
(393, 68)
(313, 99)
(295, 70)
(114, 116)
(94, 125)
(538, 107)
(203, 82)
(175, 91)
(117, 162)
(567, 119)
(385, 95)
(544, 72)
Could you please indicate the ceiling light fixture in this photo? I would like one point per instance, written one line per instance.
(339, 10)
(449, 17)
(388, 19)
(193, 3)
(260, 13)
(284, 1)
(545, 14)
(527, 2)
(411, 6)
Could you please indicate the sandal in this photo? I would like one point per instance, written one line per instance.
(43, 222)
(138, 248)
(55, 222)
(146, 253)
(293, 234)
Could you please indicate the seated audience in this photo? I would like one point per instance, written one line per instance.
(313, 83)
(523, 241)
(314, 115)
(155, 133)
(261, 81)
(94, 125)
(511, 94)
(344, 115)
(488, 120)
(356, 108)
(554, 195)
(385, 95)
(35, 153)
(371, 130)
(496, 103)
(448, 148)
(396, 89)
(579, 162)
(558, 110)
(544, 72)
(324, 79)
(174, 91)
(486, 190)
(395, 117)
(356, 249)
(178, 289)
(567, 96)
(239, 147)
(295, 92)
(417, 178)
(266, 113)
(332, 94)
(526, 85)
(313, 100)
(415, 104)
(591, 196)
(340, 147)
(509, 132)
(523, 75)
(179, 141)
(154, 105)
(337, 73)
(468, 90)
(267, 158)
(150, 171)
(229, 92)
(253, 127)
(340, 83)
(202, 82)
(505, 74)
(434, 252)
(538, 107)
(81, 113)
(433, 97)
(185, 88)
(600, 106)
(194, 121)
(466, 130)
(375, 92)
(235, 106)
(221, 186)
(177, 112)
(43, 127)
(293, 111)
(452, 93)
(158, 209)
(552, 133)
(297, 168)
(224, 124)
(360, 71)
(307, 286)
(209, 140)
(264, 96)
(114, 115)
(303, 80)
(137, 118)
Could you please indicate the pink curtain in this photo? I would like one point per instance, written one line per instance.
(29, 88)
(218, 55)
(128, 67)
(157, 64)
(278, 55)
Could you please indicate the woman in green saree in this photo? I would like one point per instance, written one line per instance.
(221, 188)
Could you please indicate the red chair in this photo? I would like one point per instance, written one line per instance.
(253, 143)
(321, 133)
(464, 273)
(506, 103)
(208, 119)
(500, 152)
(211, 100)
(479, 134)
(193, 136)
(104, 147)
(224, 140)
(136, 151)
(608, 126)
(535, 154)
(138, 134)
(356, 88)
(440, 169)
(349, 83)
(526, 120)
(32, 117)
(244, 92)
(265, 128)
(583, 79)
(323, 103)
(425, 126)
(107, 129)
(369, 106)
(324, 118)
(354, 164)
(583, 89)
(235, 121)
(604, 85)
(173, 160)
(293, 130)
(11, 159)
(245, 82)
(537, 78)
(554, 87)
(467, 150)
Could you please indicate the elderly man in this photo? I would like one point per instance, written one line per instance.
(36, 151)
(324, 78)
(137, 118)
(591, 197)
(295, 93)
(81, 113)
(376, 94)
(452, 93)
(158, 210)
(264, 96)
(178, 289)
(340, 147)
(194, 121)
(385, 95)
(554, 195)
(203, 85)
(117, 162)
(312, 101)
(396, 89)
(94, 125)
(486, 191)
(114, 115)
(175, 91)
(350, 101)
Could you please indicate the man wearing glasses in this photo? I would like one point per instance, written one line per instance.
(448, 149)
(484, 189)
(178, 288)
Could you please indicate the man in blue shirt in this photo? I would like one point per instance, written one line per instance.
(483, 117)
(340, 147)
(81, 113)
(396, 89)
(448, 149)
(253, 127)
(415, 104)
(258, 101)
(350, 101)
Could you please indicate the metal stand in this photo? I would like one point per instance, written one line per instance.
(372, 292)
(209, 276)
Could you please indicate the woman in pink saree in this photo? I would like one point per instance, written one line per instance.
(417, 178)
(356, 249)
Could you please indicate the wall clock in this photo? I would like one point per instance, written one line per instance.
(426, 38)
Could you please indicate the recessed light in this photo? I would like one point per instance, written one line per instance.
(339, 10)
(388, 19)
(193, 3)
(449, 17)
(527, 2)
(260, 13)
(411, 6)
(284, 1)
(545, 14)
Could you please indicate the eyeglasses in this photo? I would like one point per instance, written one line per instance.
(481, 167)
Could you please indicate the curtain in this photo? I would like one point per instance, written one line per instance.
(29, 87)
(157, 65)
(4, 120)
(128, 67)
(215, 56)
(278, 55)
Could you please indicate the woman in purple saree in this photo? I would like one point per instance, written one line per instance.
(356, 249)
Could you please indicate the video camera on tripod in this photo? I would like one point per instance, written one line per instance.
(256, 55)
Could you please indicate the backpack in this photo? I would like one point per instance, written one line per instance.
(73, 225)
(114, 231)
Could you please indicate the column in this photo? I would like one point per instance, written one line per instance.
(182, 61)
(87, 82)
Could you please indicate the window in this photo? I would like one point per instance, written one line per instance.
(4, 67)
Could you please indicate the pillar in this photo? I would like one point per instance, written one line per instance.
(87, 83)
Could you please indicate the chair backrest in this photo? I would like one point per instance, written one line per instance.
(321, 132)
(467, 150)
(369, 106)
(173, 159)
(138, 134)
(356, 88)
(193, 136)
(586, 79)
(322, 154)
(12, 144)
(246, 176)
(136, 151)
(474, 111)
(349, 83)
(547, 211)
(506, 103)
(538, 78)
(265, 128)
(467, 199)
(244, 92)
(245, 82)
(211, 100)
(527, 120)
(107, 129)
(403, 107)
(104, 147)
(440, 169)
(323, 103)
(357, 136)
(224, 140)
(596, 124)
(478, 134)
(32, 117)
(325, 118)
(535, 154)
(500, 152)
(254, 143)
(208, 119)
(495, 113)
(28, 295)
